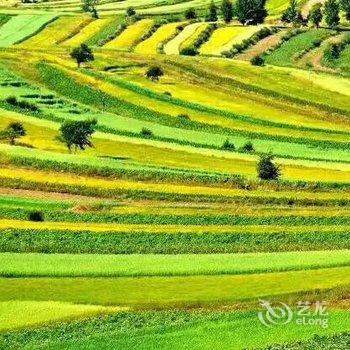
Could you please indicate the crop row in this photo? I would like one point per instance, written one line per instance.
(99, 188)
(109, 242)
(18, 213)
(78, 265)
(165, 327)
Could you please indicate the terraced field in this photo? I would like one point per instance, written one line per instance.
(163, 233)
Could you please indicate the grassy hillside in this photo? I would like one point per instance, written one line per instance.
(162, 231)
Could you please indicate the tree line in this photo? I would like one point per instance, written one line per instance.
(253, 12)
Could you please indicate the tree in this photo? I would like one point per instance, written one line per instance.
(331, 13)
(248, 147)
(291, 14)
(212, 15)
(345, 6)
(77, 134)
(130, 11)
(154, 73)
(13, 131)
(257, 61)
(227, 10)
(267, 170)
(190, 13)
(82, 54)
(251, 11)
(90, 6)
(316, 15)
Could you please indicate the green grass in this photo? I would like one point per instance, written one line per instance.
(140, 242)
(34, 313)
(34, 265)
(174, 330)
(219, 334)
(156, 292)
(20, 27)
(289, 50)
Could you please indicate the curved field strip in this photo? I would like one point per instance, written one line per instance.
(155, 105)
(190, 158)
(211, 209)
(198, 332)
(66, 180)
(20, 27)
(224, 38)
(157, 151)
(119, 7)
(131, 35)
(190, 135)
(176, 291)
(34, 313)
(87, 32)
(344, 59)
(314, 57)
(168, 229)
(222, 99)
(94, 265)
(114, 89)
(289, 50)
(324, 81)
(191, 40)
(160, 37)
(55, 32)
(42, 134)
(31, 200)
(277, 80)
(261, 47)
(173, 46)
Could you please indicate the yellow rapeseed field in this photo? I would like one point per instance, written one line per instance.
(130, 36)
(87, 32)
(57, 32)
(223, 39)
(152, 44)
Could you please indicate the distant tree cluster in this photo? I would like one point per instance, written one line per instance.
(89, 6)
(330, 13)
(246, 11)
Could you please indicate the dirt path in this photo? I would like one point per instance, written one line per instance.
(261, 46)
(46, 195)
(314, 57)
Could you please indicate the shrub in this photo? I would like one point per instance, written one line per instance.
(228, 146)
(190, 13)
(130, 11)
(183, 116)
(267, 170)
(189, 51)
(154, 73)
(257, 61)
(247, 147)
(22, 104)
(146, 132)
(37, 216)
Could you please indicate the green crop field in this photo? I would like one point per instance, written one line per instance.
(174, 174)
